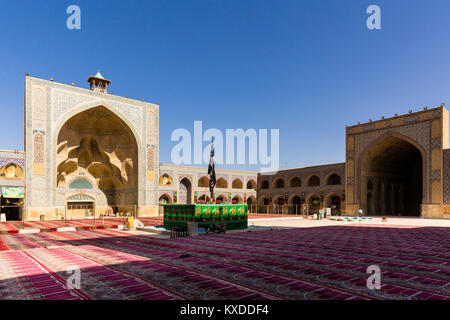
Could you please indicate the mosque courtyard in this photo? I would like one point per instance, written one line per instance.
(285, 258)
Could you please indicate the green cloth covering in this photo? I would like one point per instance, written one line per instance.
(234, 215)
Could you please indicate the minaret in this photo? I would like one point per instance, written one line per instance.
(98, 83)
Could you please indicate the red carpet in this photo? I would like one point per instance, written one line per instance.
(27, 279)
(303, 263)
(6, 227)
(51, 226)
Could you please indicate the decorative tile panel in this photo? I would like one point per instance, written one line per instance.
(446, 181)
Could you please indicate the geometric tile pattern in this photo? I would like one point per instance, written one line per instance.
(11, 183)
(447, 176)
(436, 175)
(20, 162)
(436, 143)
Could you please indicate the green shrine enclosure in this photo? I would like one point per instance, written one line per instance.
(235, 216)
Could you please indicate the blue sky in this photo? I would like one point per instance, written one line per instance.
(306, 67)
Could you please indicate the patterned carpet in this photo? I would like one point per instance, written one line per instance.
(7, 227)
(50, 226)
(87, 224)
(301, 263)
(82, 224)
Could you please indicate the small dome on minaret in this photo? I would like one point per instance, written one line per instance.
(98, 83)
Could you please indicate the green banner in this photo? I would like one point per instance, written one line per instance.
(234, 216)
(12, 192)
(80, 198)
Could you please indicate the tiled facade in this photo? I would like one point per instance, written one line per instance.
(288, 186)
(239, 185)
(15, 157)
(447, 176)
(48, 106)
(427, 131)
(12, 186)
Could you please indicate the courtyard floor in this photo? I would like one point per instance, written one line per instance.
(90, 224)
(293, 259)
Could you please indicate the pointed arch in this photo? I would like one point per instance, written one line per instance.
(251, 200)
(278, 199)
(278, 183)
(312, 198)
(11, 169)
(400, 164)
(264, 184)
(237, 184)
(333, 179)
(102, 144)
(69, 114)
(185, 191)
(204, 198)
(251, 184)
(313, 181)
(264, 200)
(237, 199)
(295, 182)
(203, 182)
(165, 199)
(221, 183)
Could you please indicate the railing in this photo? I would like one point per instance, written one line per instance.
(303, 209)
(178, 233)
(294, 209)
